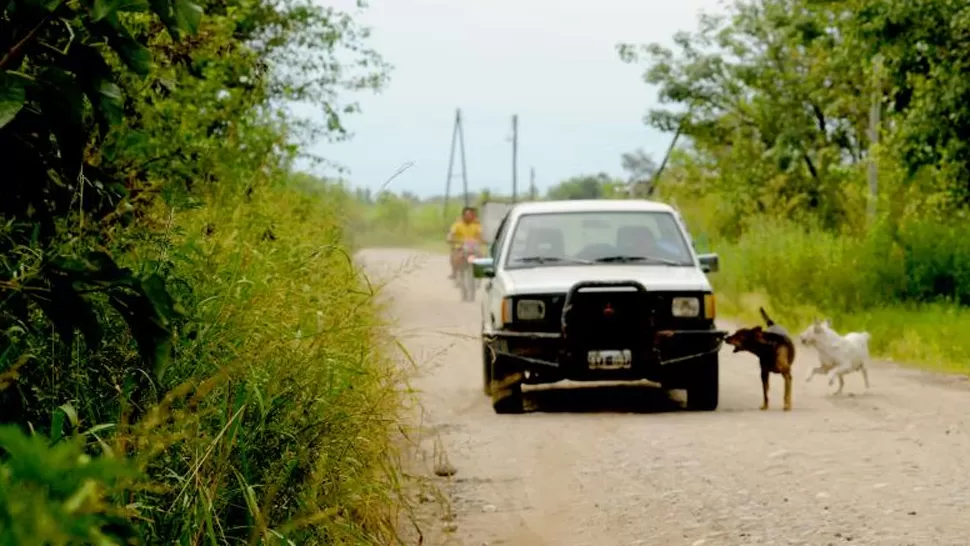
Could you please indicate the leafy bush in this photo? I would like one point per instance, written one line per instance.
(162, 277)
(274, 416)
(57, 494)
(905, 286)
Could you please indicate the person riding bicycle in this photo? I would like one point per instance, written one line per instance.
(465, 230)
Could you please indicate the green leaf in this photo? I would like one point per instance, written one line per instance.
(95, 76)
(107, 99)
(57, 426)
(166, 13)
(67, 309)
(127, 142)
(57, 420)
(102, 8)
(47, 5)
(188, 14)
(62, 104)
(132, 52)
(105, 269)
(133, 5)
(97, 428)
(147, 310)
(106, 8)
(12, 97)
(156, 291)
(136, 56)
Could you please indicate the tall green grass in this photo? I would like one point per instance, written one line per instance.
(396, 222)
(275, 421)
(906, 283)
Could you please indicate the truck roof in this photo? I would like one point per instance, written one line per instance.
(591, 205)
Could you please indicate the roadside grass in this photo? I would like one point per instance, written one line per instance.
(379, 238)
(277, 421)
(903, 289)
(395, 222)
(300, 435)
(928, 336)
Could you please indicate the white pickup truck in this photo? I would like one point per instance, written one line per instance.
(597, 290)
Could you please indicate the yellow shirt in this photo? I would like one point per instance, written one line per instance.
(463, 233)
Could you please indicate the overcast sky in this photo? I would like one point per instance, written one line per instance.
(552, 62)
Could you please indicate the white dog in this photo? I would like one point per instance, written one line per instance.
(837, 355)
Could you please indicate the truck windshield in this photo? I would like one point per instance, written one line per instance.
(598, 237)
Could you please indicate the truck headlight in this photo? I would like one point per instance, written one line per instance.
(530, 310)
(685, 307)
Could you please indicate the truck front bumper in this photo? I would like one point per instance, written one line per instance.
(547, 354)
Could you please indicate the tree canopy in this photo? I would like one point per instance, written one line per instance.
(774, 97)
(596, 186)
(106, 105)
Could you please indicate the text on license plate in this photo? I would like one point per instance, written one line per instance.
(610, 360)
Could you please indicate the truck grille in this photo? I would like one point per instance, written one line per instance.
(653, 306)
(610, 320)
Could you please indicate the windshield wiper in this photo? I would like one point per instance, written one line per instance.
(622, 258)
(550, 260)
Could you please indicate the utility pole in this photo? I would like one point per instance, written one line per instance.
(875, 113)
(532, 183)
(457, 138)
(515, 157)
(670, 149)
(464, 168)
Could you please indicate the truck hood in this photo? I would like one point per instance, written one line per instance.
(545, 280)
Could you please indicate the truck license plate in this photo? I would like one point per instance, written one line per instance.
(610, 360)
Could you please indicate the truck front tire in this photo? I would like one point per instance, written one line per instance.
(506, 386)
(703, 384)
(487, 368)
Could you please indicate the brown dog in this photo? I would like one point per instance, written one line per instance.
(775, 351)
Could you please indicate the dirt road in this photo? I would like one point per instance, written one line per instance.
(620, 466)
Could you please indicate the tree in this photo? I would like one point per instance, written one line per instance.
(638, 165)
(774, 99)
(777, 95)
(925, 56)
(595, 186)
(106, 107)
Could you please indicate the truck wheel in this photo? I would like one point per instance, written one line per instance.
(703, 384)
(506, 389)
(487, 368)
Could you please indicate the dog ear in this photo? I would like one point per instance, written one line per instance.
(756, 329)
(827, 322)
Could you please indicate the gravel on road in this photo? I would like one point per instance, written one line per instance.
(624, 465)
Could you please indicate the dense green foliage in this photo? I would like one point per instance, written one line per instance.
(599, 186)
(188, 354)
(773, 98)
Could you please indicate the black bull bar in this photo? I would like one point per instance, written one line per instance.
(714, 337)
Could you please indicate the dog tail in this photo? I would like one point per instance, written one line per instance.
(764, 315)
